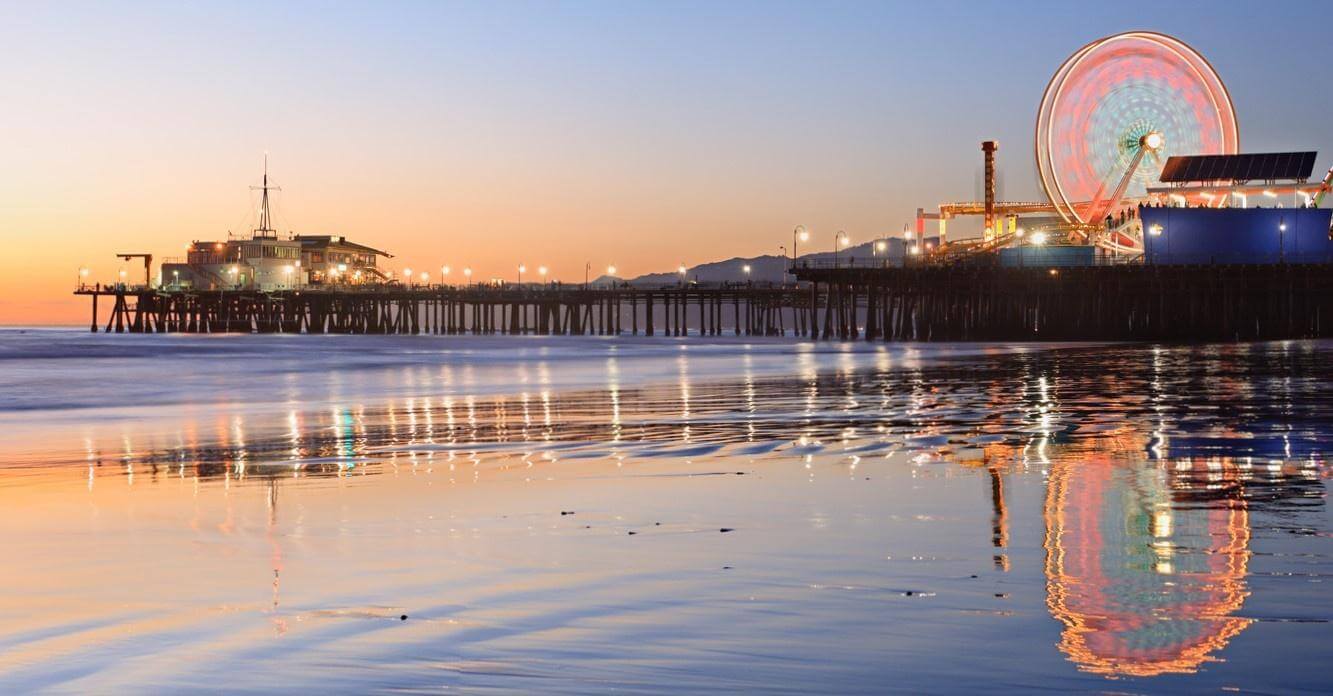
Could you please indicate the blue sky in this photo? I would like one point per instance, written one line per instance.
(651, 132)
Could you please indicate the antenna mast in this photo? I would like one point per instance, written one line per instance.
(265, 229)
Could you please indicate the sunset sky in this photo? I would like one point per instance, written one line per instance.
(492, 133)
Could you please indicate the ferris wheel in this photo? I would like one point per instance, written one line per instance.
(1113, 113)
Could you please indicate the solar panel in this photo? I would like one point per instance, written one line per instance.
(1263, 166)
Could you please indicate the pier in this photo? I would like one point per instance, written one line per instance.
(916, 303)
(447, 310)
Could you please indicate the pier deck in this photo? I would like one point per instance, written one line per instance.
(922, 303)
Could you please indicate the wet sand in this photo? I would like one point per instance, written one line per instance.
(592, 515)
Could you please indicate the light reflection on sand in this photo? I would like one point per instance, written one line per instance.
(893, 521)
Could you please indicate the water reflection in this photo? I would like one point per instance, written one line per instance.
(1153, 462)
(1143, 585)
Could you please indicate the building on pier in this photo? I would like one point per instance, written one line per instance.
(334, 260)
(258, 263)
(266, 262)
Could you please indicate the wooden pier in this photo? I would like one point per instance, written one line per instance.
(712, 311)
(919, 303)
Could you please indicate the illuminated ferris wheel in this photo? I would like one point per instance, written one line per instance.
(1113, 113)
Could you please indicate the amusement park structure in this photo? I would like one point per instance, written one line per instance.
(1130, 120)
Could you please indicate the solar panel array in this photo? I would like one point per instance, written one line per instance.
(1265, 166)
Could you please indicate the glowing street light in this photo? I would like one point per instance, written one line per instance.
(467, 273)
(839, 241)
(425, 277)
(1020, 232)
(681, 270)
(880, 247)
(799, 234)
(521, 268)
(916, 250)
(611, 270)
(1038, 238)
(746, 269)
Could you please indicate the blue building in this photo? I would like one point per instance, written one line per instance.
(1236, 235)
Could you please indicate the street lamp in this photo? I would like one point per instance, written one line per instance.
(681, 270)
(521, 268)
(444, 275)
(407, 274)
(746, 270)
(611, 270)
(541, 271)
(467, 273)
(839, 241)
(83, 274)
(425, 278)
(800, 234)
(880, 246)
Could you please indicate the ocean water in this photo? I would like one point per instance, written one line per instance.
(573, 515)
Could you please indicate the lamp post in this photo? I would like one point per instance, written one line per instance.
(746, 270)
(83, 274)
(800, 234)
(467, 273)
(541, 271)
(444, 275)
(839, 240)
(682, 271)
(521, 268)
(407, 275)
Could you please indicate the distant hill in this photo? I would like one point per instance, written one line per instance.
(769, 268)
